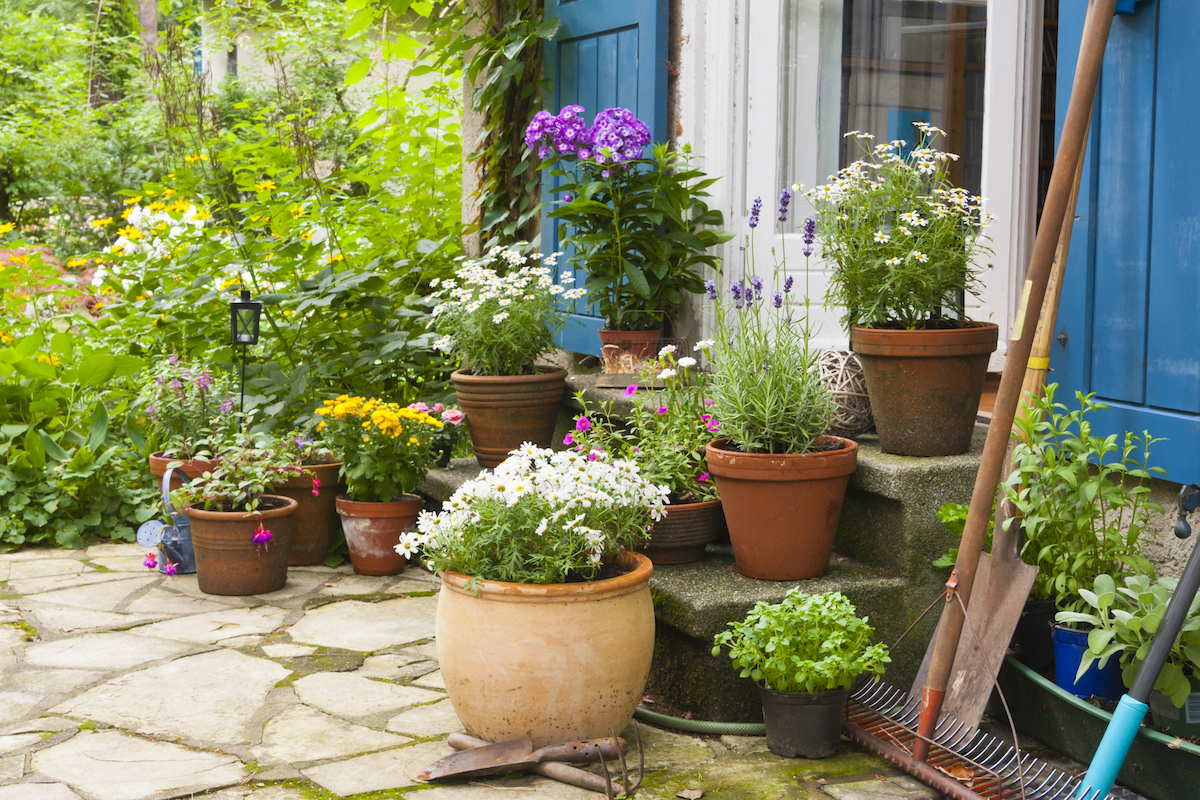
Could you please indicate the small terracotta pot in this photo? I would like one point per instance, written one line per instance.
(227, 560)
(193, 468)
(640, 344)
(925, 385)
(505, 411)
(316, 518)
(373, 530)
(680, 536)
(782, 509)
(557, 662)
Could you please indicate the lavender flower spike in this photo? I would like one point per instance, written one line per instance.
(711, 286)
(757, 282)
(778, 300)
(810, 229)
(754, 211)
(785, 197)
(787, 285)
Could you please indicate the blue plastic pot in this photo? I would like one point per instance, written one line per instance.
(1070, 646)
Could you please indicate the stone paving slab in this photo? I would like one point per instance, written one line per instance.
(41, 568)
(96, 596)
(165, 601)
(12, 768)
(64, 619)
(301, 734)
(434, 719)
(213, 627)
(354, 696)
(367, 627)
(106, 651)
(391, 769)
(37, 791)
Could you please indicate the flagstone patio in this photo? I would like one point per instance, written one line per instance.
(117, 683)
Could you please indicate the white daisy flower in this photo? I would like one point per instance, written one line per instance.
(498, 318)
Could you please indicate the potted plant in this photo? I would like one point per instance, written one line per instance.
(804, 654)
(188, 409)
(386, 452)
(1082, 502)
(901, 242)
(240, 534)
(501, 324)
(1121, 622)
(665, 436)
(539, 586)
(314, 486)
(782, 478)
(444, 440)
(640, 226)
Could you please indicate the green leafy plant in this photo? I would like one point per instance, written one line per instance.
(250, 464)
(1123, 620)
(1082, 500)
(900, 236)
(189, 407)
(501, 312)
(768, 393)
(386, 449)
(954, 517)
(541, 517)
(665, 432)
(807, 643)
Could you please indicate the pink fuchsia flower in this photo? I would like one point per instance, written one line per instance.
(437, 408)
(703, 478)
(151, 560)
(710, 402)
(169, 568)
(663, 410)
(569, 439)
(631, 390)
(583, 424)
(419, 406)
(453, 416)
(262, 538)
(316, 487)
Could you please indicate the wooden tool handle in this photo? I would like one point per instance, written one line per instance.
(583, 752)
(559, 772)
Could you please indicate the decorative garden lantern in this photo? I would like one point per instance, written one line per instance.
(244, 314)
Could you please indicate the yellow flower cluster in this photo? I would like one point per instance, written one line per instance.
(387, 418)
(51, 360)
(6, 227)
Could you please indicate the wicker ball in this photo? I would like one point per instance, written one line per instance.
(843, 376)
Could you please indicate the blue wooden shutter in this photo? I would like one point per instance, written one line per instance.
(607, 54)
(1131, 293)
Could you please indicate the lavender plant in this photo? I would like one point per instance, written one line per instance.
(766, 389)
(188, 406)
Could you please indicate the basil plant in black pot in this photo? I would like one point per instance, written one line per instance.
(805, 654)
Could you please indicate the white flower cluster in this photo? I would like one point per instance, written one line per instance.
(575, 495)
(158, 231)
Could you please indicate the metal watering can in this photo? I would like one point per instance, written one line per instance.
(173, 541)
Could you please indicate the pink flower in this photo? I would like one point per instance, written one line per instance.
(713, 425)
(663, 410)
(151, 560)
(419, 406)
(316, 487)
(594, 454)
(631, 390)
(453, 416)
(710, 402)
(583, 424)
(169, 568)
(262, 538)
(437, 408)
(703, 478)
(569, 439)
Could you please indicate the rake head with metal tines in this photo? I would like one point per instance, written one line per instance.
(964, 763)
(626, 789)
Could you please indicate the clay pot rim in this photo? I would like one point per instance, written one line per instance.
(505, 591)
(396, 507)
(544, 375)
(158, 457)
(648, 333)
(290, 505)
(980, 338)
(693, 504)
(782, 467)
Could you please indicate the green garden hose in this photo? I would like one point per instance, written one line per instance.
(699, 725)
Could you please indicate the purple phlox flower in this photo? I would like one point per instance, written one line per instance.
(175, 384)
(754, 212)
(703, 478)
(711, 286)
(631, 390)
(583, 424)
(778, 300)
(785, 197)
(787, 284)
(663, 409)
(151, 560)
(561, 135)
(569, 439)
(262, 538)
(757, 283)
(617, 135)
(170, 568)
(227, 405)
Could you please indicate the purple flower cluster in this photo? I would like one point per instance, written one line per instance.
(614, 137)
(785, 197)
(711, 287)
(810, 234)
(754, 212)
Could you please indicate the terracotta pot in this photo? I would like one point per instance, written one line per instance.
(925, 385)
(558, 663)
(505, 411)
(193, 468)
(680, 537)
(373, 530)
(316, 518)
(227, 560)
(782, 509)
(641, 345)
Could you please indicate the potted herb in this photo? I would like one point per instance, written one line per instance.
(240, 534)
(782, 478)
(386, 452)
(640, 226)
(538, 584)
(188, 408)
(665, 435)
(901, 242)
(500, 313)
(314, 488)
(1082, 502)
(1122, 620)
(804, 654)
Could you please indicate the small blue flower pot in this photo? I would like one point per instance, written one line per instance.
(1070, 647)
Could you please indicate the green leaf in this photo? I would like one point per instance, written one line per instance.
(358, 70)
(97, 370)
(547, 27)
(35, 450)
(35, 370)
(52, 448)
(98, 429)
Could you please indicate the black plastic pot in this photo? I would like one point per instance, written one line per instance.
(802, 724)
(1035, 633)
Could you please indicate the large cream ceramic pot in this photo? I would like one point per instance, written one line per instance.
(558, 663)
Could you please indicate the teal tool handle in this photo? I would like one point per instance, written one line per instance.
(1110, 755)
